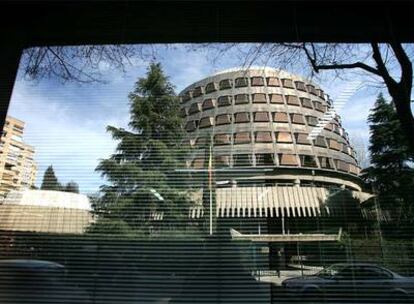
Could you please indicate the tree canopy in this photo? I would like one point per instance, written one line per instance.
(50, 181)
(144, 190)
(71, 187)
(391, 171)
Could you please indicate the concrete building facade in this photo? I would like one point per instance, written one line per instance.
(17, 166)
(261, 118)
(269, 176)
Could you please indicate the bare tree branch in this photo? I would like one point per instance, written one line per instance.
(376, 55)
(82, 64)
(317, 67)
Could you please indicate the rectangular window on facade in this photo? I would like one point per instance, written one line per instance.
(292, 100)
(300, 86)
(242, 138)
(223, 119)
(312, 120)
(307, 161)
(302, 139)
(311, 89)
(206, 122)
(288, 160)
(280, 117)
(225, 84)
(209, 104)
(353, 169)
(201, 141)
(276, 98)
(242, 160)
(345, 136)
(222, 139)
(198, 91)
(306, 103)
(265, 159)
(241, 117)
(297, 119)
(211, 87)
(320, 93)
(345, 148)
(222, 161)
(241, 99)
(198, 163)
(325, 162)
(257, 81)
(191, 126)
(194, 108)
(328, 127)
(318, 106)
(241, 82)
(336, 129)
(259, 98)
(341, 165)
(272, 82)
(261, 116)
(320, 142)
(224, 101)
(284, 137)
(287, 83)
(263, 137)
(186, 96)
(334, 145)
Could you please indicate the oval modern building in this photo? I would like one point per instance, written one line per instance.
(261, 118)
(257, 122)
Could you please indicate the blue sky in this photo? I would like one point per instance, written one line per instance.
(66, 122)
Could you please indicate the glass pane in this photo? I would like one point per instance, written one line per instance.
(134, 178)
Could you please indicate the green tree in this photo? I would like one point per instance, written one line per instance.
(72, 187)
(143, 186)
(391, 172)
(50, 181)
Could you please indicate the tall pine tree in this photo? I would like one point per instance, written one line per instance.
(391, 171)
(143, 185)
(50, 181)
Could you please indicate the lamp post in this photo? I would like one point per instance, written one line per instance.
(210, 187)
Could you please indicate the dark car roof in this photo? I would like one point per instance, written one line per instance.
(356, 264)
(29, 264)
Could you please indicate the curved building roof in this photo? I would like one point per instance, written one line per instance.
(45, 211)
(48, 198)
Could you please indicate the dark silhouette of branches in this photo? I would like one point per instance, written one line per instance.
(84, 64)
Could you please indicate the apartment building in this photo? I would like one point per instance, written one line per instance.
(17, 166)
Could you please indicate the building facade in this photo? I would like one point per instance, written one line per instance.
(17, 166)
(270, 176)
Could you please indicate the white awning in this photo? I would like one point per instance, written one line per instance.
(277, 201)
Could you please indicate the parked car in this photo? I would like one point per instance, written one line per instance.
(362, 282)
(37, 282)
